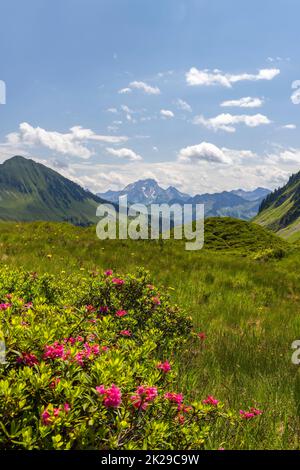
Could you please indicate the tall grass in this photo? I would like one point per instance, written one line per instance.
(249, 311)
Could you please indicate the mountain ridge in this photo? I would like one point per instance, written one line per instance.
(280, 210)
(236, 203)
(31, 191)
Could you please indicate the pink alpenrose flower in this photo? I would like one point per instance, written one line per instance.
(164, 366)
(112, 396)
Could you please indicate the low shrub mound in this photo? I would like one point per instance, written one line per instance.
(91, 364)
(229, 234)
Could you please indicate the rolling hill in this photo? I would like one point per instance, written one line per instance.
(31, 191)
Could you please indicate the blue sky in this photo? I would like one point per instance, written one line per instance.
(201, 94)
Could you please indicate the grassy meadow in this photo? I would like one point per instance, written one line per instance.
(242, 291)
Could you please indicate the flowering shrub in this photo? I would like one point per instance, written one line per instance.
(90, 364)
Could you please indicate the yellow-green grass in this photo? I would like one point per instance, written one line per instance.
(249, 310)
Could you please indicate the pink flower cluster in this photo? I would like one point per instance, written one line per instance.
(28, 305)
(143, 396)
(210, 400)
(5, 306)
(49, 414)
(54, 383)
(103, 309)
(54, 351)
(156, 300)
(60, 351)
(201, 336)
(72, 340)
(174, 397)
(117, 281)
(182, 409)
(164, 366)
(250, 414)
(88, 352)
(108, 272)
(121, 313)
(90, 308)
(112, 396)
(125, 333)
(28, 359)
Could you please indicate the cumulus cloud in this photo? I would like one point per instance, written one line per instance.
(148, 89)
(124, 153)
(295, 98)
(227, 122)
(166, 113)
(289, 126)
(189, 178)
(125, 91)
(145, 87)
(203, 152)
(288, 156)
(245, 102)
(72, 143)
(129, 112)
(183, 105)
(196, 77)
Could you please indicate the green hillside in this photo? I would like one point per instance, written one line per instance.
(31, 191)
(280, 210)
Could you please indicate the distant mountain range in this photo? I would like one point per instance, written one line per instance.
(146, 192)
(237, 203)
(31, 191)
(280, 210)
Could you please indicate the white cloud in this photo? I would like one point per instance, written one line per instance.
(203, 152)
(124, 153)
(129, 112)
(136, 85)
(278, 59)
(126, 109)
(196, 77)
(165, 74)
(197, 178)
(166, 113)
(295, 98)
(125, 91)
(71, 143)
(227, 122)
(112, 110)
(183, 105)
(148, 89)
(288, 156)
(289, 126)
(245, 102)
